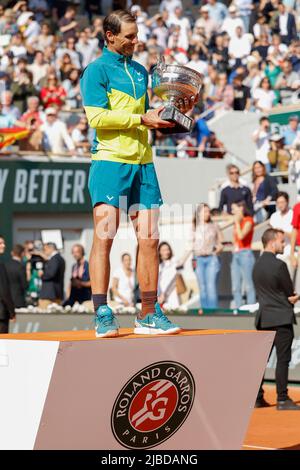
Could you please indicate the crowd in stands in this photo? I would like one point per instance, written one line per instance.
(247, 50)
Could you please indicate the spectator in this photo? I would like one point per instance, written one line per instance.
(167, 290)
(239, 46)
(53, 93)
(22, 89)
(286, 24)
(205, 22)
(219, 54)
(80, 136)
(71, 86)
(87, 48)
(264, 97)
(277, 49)
(282, 220)
(8, 108)
(224, 93)
(56, 137)
(291, 132)
(32, 112)
(206, 245)
(232, 21)
(196, 63)
(288, 83)
(261, 138)
(245, 8)
(34, 261)
(68, 24)
(39, 68)
(52, 276)
(65, 66)
(7, 308)
(264, 192)
(242, 256)
(44, 39)
(17, 276)
(235, 192)
(80, 285)
(276, 297)
(123, 282)
(242, 97)
(217, 11)
(75, 56)
(7, 121)
(278, 156)
(170, 6)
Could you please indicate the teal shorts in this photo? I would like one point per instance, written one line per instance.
(128, 186)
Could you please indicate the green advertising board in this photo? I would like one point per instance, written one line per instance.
(41, 187)
(280, 119)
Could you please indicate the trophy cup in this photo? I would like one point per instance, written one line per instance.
(173, 83)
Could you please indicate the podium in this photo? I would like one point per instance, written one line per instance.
(69, 390)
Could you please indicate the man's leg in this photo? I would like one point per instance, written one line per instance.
(145, 223)
(146, 227)
(106, 223)
(283, 344)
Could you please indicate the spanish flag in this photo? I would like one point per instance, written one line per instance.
(9, 135)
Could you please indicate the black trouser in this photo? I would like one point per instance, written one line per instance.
(283, 344)
(4, 326)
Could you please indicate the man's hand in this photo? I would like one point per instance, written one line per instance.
(294, 261)
(152, 120)
(184, 105)
(293, 299)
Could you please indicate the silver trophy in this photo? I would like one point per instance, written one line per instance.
(173, 84)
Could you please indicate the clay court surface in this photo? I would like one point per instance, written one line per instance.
(270, 429)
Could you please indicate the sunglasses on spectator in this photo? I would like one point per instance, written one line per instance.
(234, 172)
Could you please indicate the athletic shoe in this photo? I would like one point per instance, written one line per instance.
(106, 324)
(287, 405)
(155, 324)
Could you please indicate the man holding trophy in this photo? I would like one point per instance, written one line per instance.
(122, 175)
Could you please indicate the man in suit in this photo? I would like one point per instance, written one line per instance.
(7, 308)
(276, 297)
(17, 276)
(52, 290)
(286, 25)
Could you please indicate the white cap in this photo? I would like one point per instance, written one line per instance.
(205, 8)
(135, 8)
(51, 111)
(232, 8)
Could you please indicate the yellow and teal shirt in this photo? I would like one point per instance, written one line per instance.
(114, 93)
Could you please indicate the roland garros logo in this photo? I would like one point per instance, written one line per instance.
(153, 405)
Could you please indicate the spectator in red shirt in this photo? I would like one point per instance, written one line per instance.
(53, 94)
(242, 257)
(32, 112)
(295, 237)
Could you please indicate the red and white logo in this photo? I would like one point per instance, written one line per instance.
(153, 405)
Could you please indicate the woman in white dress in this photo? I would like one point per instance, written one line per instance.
(123, 282)
(167, 293)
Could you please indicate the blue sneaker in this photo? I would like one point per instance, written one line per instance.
(155, 324)
(106, 325)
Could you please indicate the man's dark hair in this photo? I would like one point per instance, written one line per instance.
(284, 195)
(269, 235)
(18, 250)
(125, 254)
(264, 118)
(51, 245)
(114, 20)
(230, 166)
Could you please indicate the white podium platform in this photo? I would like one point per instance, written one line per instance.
(69, 390)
